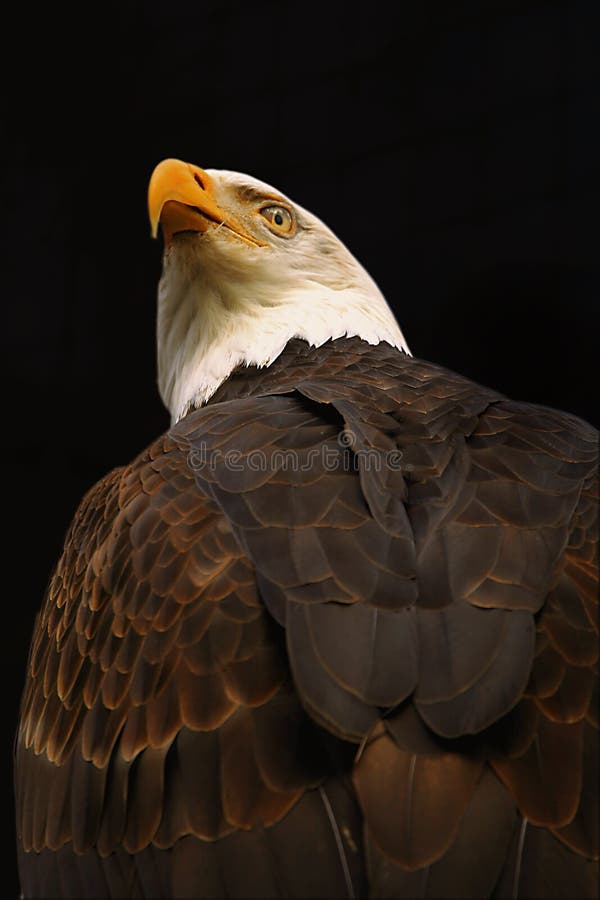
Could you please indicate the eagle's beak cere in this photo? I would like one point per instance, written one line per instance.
(181, 198)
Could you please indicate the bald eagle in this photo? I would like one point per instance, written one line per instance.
(334, 634)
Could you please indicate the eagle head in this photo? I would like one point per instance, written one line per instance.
(245, 270)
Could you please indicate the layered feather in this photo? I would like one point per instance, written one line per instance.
(354, 594)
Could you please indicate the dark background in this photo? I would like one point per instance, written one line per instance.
(451, 145)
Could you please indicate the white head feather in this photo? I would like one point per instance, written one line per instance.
(222, 303)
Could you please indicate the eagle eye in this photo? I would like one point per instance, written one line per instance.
(279, 219)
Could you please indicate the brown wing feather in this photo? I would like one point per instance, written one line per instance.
(159, 702)
(495, 494)
(435, 573)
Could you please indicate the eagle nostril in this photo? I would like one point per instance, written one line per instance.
(199, 181)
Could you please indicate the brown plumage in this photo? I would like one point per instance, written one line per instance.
(371, 670)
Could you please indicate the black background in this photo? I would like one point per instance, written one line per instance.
(451, 145)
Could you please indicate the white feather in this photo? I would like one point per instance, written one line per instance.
(222, 304)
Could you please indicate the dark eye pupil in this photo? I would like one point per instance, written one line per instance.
(278, 219)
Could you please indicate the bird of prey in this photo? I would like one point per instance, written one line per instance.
(333, 634)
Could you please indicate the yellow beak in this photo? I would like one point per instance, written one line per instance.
(181, 198)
